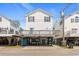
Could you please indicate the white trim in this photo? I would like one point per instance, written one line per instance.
(38, 10)
(6, 35)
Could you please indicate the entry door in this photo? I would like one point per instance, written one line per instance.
(44, 42)
(50, 41)
(31, 30)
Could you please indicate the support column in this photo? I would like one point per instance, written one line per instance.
(39, 41)
(9, 41)
(64, 42)
(46, 41)
(16, 40)
(52, 41)
(30, 41)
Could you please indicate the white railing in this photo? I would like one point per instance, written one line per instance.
(37, 33)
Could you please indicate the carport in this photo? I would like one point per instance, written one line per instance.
(74, 38)
(36, 41)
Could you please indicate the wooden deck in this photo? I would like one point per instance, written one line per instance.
(37, 33)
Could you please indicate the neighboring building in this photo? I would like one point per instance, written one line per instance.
(8, 27)
(71, 25)
(71, 28)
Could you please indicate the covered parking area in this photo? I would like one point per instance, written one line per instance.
(36, 41)
(58, 40)
(8, 40)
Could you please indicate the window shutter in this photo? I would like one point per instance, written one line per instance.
(33, 18)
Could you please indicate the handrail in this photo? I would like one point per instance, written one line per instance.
(38, 32)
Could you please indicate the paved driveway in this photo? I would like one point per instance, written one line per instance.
(39, 51)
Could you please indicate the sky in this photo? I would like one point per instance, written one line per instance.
(17, 11)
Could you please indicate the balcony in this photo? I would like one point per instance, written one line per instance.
(37, 33)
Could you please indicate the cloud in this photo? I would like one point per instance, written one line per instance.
(27, 6)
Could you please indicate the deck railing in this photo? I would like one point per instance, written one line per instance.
(37, 33)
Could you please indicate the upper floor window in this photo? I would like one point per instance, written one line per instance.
(16, 32)
(0, 19)
(11, 31)
(46, 19)
(76, 19)
(72, 20)
(31, 19)
(3, 30)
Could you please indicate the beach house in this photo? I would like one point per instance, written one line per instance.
(8, 28)
(71, 28)
(39, 27)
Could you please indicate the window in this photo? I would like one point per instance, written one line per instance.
(31, 19)
(76, 19)
(46, 19)
(16, 32)
(68, 33)
(0, 19)
(11, 31)
(72, 20)
(3, 30)
(74, 30)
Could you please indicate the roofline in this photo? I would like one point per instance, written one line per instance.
(8, 19)
(38, 10)
(5, 17)
(69, 16)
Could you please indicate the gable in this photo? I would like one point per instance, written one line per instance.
(39, 10)
(38, 14)
(69, 17)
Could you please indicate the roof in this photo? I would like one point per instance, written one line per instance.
(39, 10)
(69, 15)
(14, 21)
(5, 17)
